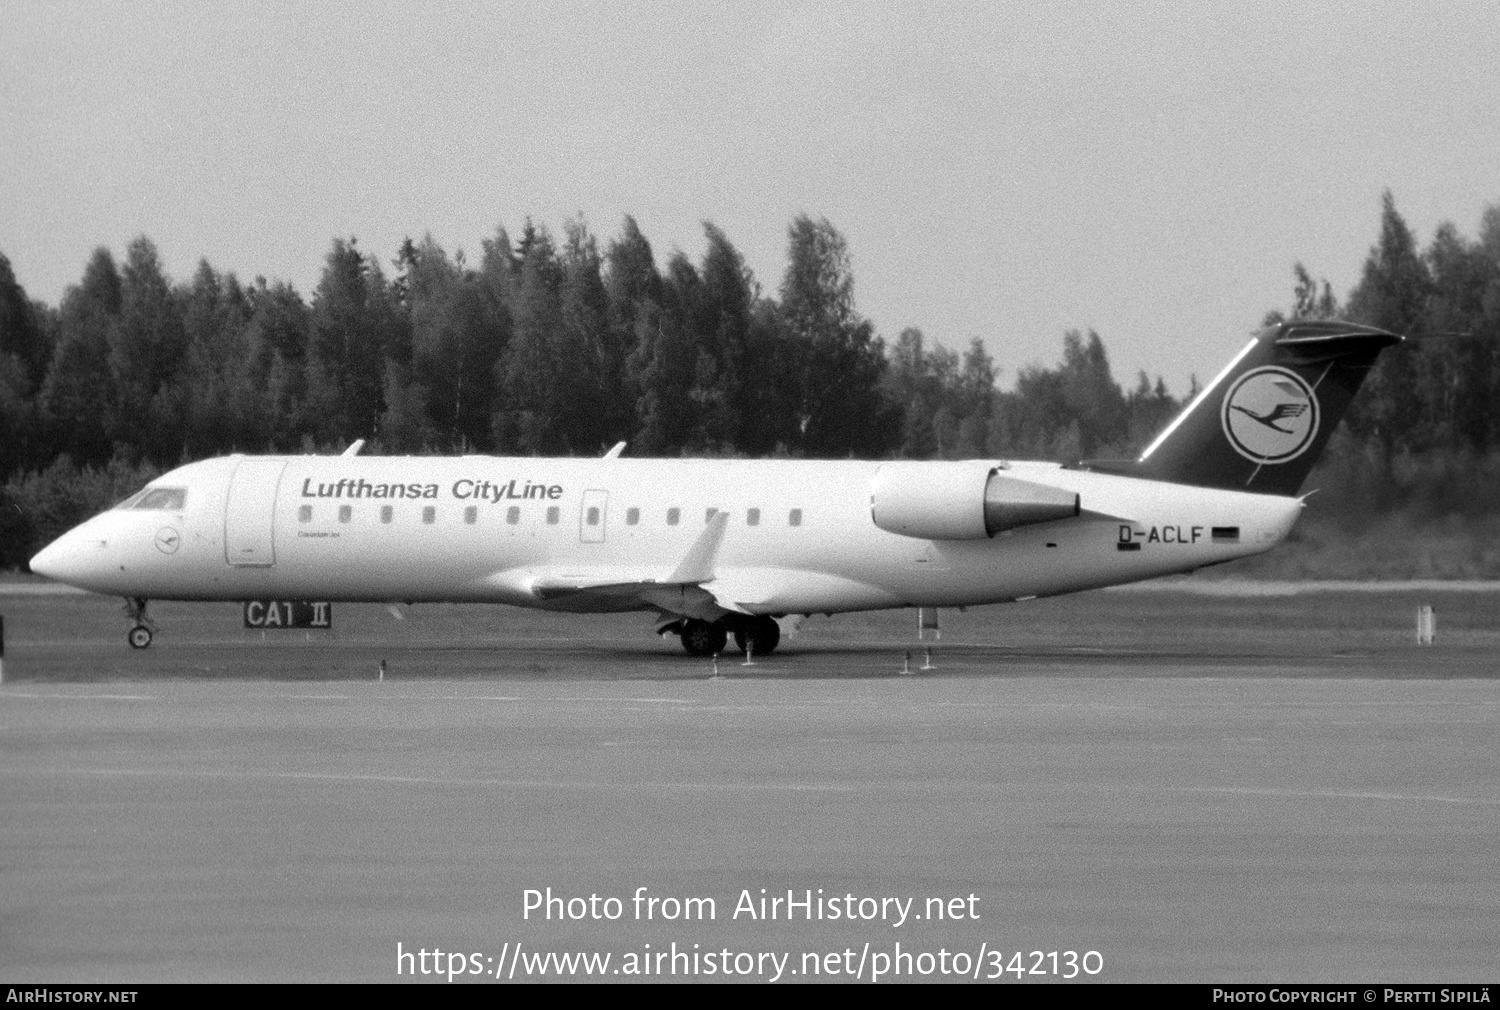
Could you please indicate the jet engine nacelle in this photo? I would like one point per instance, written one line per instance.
(969, 500)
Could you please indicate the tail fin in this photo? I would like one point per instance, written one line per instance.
(1263, 421)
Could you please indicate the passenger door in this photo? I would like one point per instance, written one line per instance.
(250, 513)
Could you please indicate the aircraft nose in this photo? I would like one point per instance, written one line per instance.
(48, 560)
(71, 558)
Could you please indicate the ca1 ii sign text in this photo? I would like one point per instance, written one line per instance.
(288, 614)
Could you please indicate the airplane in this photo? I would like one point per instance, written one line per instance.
(730, 547)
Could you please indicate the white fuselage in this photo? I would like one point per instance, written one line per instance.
(797, 536)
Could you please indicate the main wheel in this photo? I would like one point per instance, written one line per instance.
(700, 638)
(760, 634)
(139, 636)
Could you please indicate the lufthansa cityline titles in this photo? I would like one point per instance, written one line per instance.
(465, 489)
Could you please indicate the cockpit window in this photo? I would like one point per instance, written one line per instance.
(159, 499)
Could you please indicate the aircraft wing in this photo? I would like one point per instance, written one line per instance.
(612, 590)
(676, 589)
(552, 585)
(698, 586)
(732, 590)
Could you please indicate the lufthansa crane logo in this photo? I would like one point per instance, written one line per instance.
(1270, 415)
(167, 540)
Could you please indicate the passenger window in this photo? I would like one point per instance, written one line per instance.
(513, 514)
(429, 514)
(552, 514)
(385, 513)
(163, 499)
(592, 518)
(672, 516)
(346, 512)
(471, 514)
(304, 514)
(752, 517)
(632, 516)
(794, 518)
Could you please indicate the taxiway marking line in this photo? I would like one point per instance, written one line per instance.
(925, 786)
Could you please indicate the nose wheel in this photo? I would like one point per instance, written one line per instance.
(138, 636)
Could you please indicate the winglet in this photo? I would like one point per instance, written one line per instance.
(697, 566)
(614, 453)
(354, 447)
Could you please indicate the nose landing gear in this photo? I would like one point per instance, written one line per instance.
(139, 636)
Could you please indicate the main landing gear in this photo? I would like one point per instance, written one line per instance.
(758, 636)
(139, 636)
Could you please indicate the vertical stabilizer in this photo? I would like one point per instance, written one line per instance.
(1263, 421)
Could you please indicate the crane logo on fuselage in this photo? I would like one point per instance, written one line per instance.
(1270, 415)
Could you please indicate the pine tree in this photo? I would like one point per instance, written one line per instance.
(591, 387)
(78, 393)
(355, 327)
(22, 332)
(665, 365)
(911, 389)
(147, 349)
(24, 353)
(839, 408)
(531, 389)
(974, 398)
(633, 289)
(279, 333)
(431, 409)
(1091, 394)
(1392, 294)
(721, 387)
(1462, 381)
(224, 406)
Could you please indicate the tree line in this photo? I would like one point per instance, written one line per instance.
(557, 345)
(1423, 436)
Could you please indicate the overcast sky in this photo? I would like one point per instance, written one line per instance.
(1001, 171)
